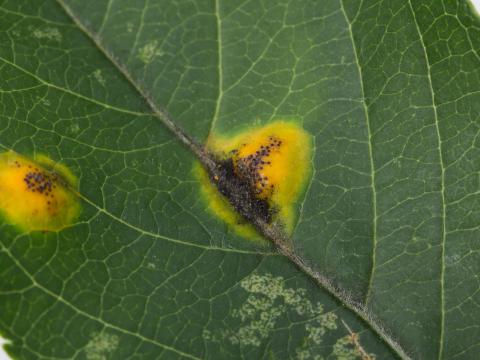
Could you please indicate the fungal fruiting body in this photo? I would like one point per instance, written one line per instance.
(274, 161)
(33, 197)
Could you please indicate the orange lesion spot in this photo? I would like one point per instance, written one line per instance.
(254, 162)
(275, 159)
(33, 197)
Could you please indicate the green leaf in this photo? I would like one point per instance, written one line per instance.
(386, 247)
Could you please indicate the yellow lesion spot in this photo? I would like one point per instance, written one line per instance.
(276, 160)
(36, 195)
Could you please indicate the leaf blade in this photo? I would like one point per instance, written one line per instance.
(408, 247)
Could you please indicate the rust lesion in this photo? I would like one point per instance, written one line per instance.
(256, 165)
(261, 173)
(241, 191)
(34, 197)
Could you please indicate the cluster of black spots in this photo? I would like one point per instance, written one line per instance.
(239, 192)
(242, 183)
(250, 167)
(39, 181)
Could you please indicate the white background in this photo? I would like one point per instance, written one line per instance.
(476, 3)
(3, 355)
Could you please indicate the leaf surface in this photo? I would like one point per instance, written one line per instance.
(388, 89)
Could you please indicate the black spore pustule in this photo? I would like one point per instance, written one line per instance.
(240, 192)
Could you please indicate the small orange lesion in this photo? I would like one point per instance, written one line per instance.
(33, 196)
(256, 162)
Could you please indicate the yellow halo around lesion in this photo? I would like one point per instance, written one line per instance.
(281, 172)
(37, 195)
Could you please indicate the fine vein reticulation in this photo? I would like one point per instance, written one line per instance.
(275, 235)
